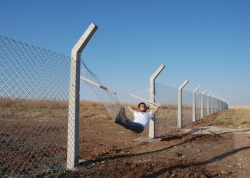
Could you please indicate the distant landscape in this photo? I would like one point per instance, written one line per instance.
(239, 107)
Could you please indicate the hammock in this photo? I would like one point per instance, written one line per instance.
(107, 96)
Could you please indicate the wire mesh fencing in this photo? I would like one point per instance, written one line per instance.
(204, 105)
(197, 106)
(186, 114)
(166, 116)
(34, 86)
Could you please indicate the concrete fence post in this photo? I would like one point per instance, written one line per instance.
(208, 102)
(152, 99)
(194, 103)
(74, 98)
(213, 103)
(179, 125)
(202, 103)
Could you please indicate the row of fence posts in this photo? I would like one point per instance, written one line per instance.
(73, 118)
(214, 103)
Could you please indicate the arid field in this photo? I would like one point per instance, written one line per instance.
(34, 135)
(239, 107)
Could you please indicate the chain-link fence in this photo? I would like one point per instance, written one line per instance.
(186, 113)
(166, 116)
(36, 137)
(34, 92)
(197, 106)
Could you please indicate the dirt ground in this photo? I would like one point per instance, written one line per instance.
(204, 149)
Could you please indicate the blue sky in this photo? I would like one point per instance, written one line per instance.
(204, 41)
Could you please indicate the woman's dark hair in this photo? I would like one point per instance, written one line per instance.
(142, 103)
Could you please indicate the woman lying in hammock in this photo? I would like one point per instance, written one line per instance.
(141, 117)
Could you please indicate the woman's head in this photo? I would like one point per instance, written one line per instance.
(142, 107)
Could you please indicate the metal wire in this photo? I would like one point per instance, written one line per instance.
(34, 86)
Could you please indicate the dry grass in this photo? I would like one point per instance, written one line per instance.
(234, 118)
(93, 109)
(239, 107)
(33, 110)
(28, 104)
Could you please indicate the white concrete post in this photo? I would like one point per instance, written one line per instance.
(180, 103)
(208, 102)
(152, 99)
(202, 103)
(74, 98)
(213, 103)
(194, 102)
